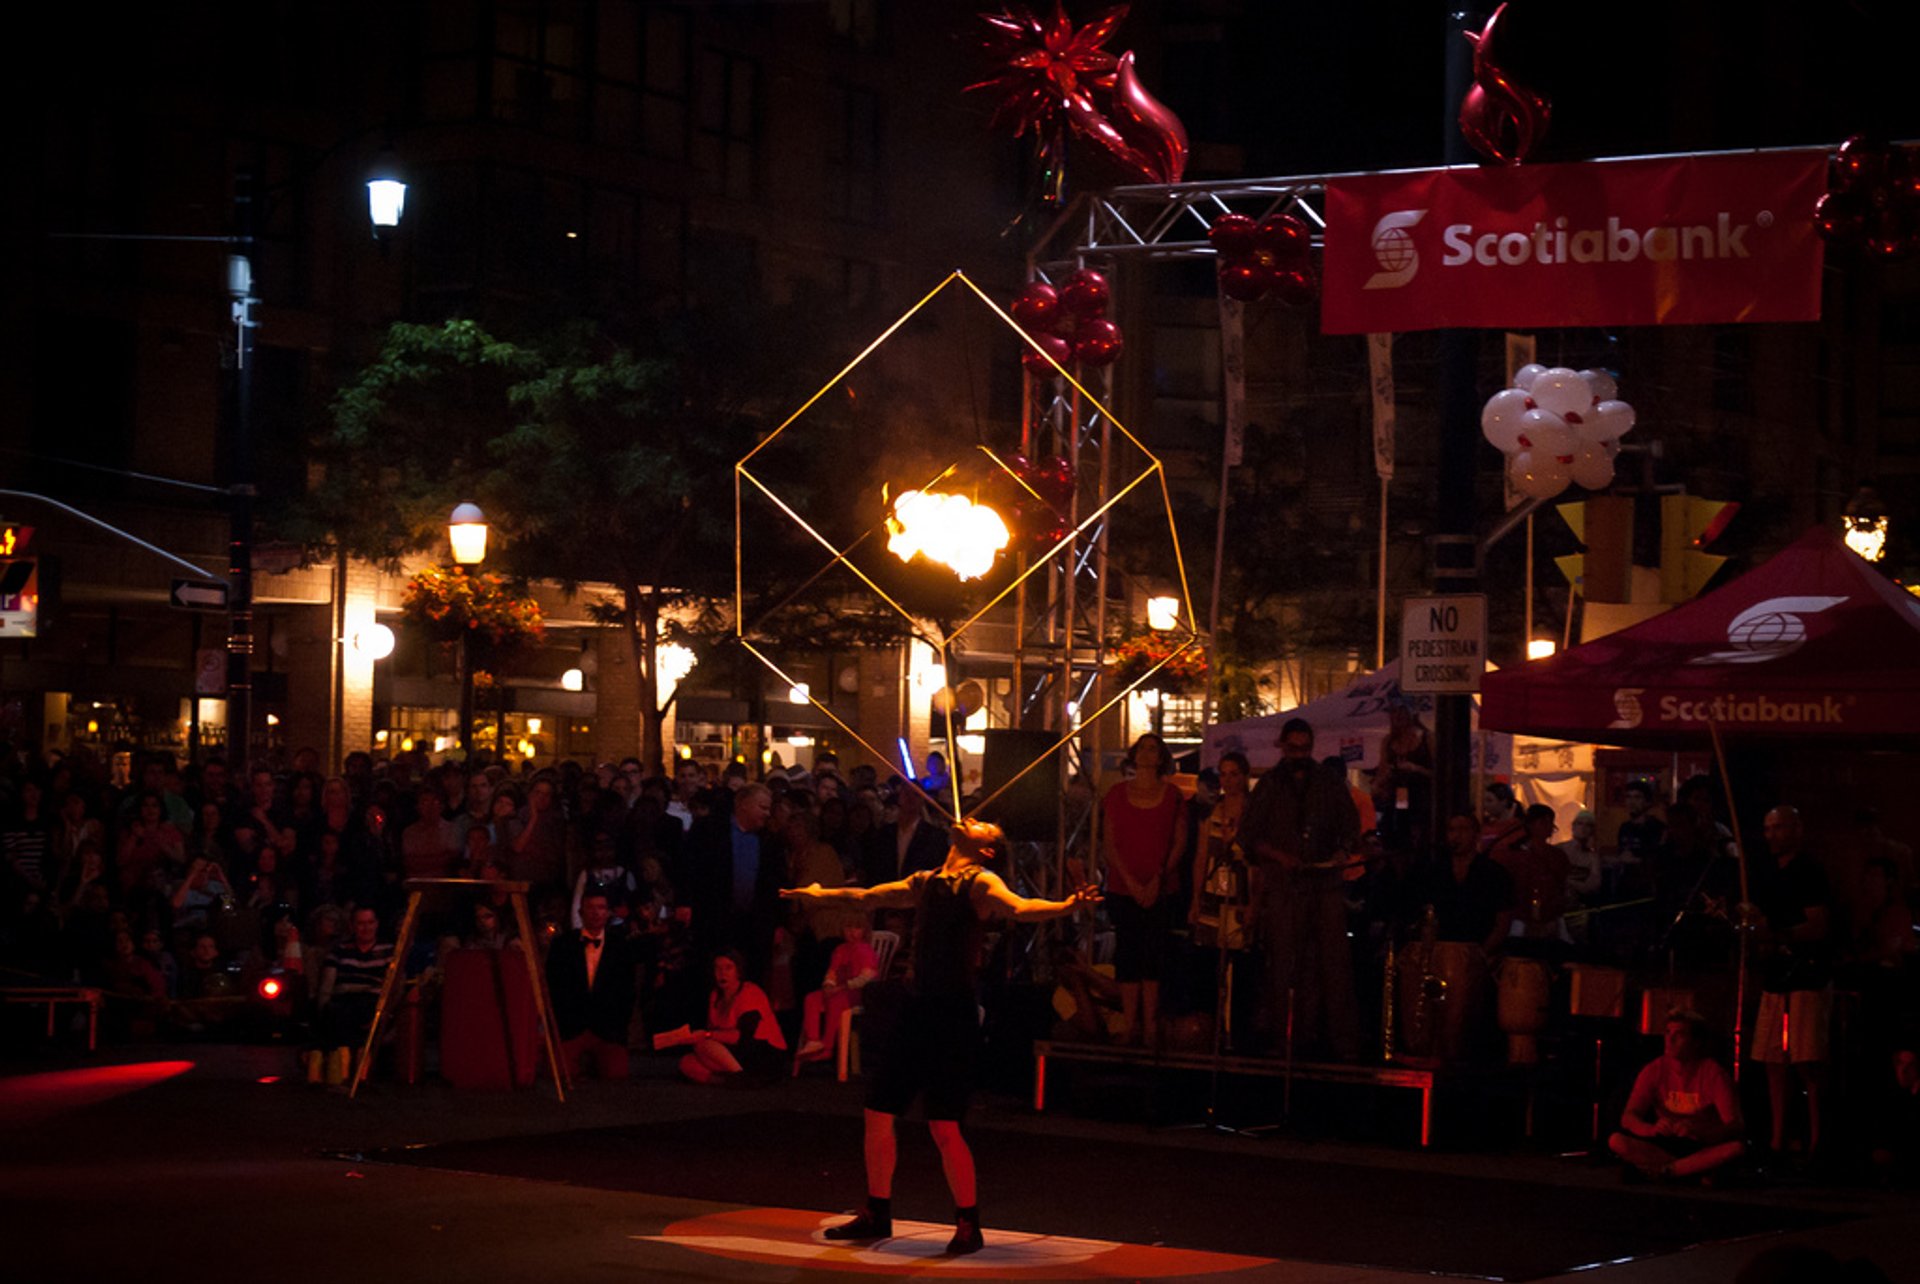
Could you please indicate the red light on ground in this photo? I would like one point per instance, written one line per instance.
(31, 1095)
(270, 989)
(268, 1078)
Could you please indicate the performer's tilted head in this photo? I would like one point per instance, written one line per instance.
(979, 839)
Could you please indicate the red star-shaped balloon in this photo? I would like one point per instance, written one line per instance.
(1049, 63)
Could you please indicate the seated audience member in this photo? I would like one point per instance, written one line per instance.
(1683, 1118)
(1086, 999)
(742, 1042)
(605, 874)
(205, 976)
(1896, 1145)
(153, 948)
(590, 975)
(134, 977)
(204, 886)
(853, 966)
(430, 846)
(487, 932)
(349, 991)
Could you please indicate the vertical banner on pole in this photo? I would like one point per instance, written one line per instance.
(1233, 371)
(1380, 377)
(1520, 350)
(1380, 370)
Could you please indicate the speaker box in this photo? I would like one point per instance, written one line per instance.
(1029, 812)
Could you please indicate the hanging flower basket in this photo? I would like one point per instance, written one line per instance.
(1132, 657)
(448, 602)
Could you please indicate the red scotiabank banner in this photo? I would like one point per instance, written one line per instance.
(1697, 240)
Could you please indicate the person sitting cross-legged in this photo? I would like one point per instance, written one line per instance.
(1683, 1118)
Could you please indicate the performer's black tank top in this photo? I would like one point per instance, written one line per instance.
(947, 934)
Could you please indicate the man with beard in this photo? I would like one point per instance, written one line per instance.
(1301, 829)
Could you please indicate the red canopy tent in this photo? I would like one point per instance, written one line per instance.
(1811, 645)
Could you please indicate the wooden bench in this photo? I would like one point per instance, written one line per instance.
(1419, 1077)
(53, 996)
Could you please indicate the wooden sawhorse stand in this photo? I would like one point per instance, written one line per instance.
(417, 888)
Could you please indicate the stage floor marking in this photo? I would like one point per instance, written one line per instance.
(792, 1237)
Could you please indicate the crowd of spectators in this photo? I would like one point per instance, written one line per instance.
(656, 907)
(176, 889)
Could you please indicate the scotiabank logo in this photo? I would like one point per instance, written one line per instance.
(1551, 244)
(1749, 710)
(1394, 250)
(1768, 630)
(1759, 710)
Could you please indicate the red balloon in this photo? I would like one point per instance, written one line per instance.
(1232, 236)
(1889, 233)
(1501, 119)
(1860, 160)
(1286, 237)
(1036, 307)
(1155, 132)
(1098, 343)
(1054, 346)
(1841, 217)
(1295, 287)
(1243, 279)
(1054, 481)
(1086, 294)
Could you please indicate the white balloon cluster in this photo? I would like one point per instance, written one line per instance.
(1556, 426)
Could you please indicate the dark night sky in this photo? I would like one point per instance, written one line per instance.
(1336, 86)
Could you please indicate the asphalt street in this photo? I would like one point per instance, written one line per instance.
(212, 1163)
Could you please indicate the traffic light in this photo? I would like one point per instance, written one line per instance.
(19, 584)
(1687, 525)
(1604, 573)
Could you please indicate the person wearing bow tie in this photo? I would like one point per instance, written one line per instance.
(590, 974)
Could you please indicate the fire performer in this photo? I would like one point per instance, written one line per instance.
(928, 1046)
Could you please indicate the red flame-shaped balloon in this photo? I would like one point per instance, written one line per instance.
(1502, 120)
(1058, 76)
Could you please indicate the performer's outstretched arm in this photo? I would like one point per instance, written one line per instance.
(898, 895)
(1004, 901)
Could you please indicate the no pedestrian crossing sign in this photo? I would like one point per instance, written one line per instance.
(1443, 644)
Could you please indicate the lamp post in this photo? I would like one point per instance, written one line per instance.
(467, 534)
(386, 199)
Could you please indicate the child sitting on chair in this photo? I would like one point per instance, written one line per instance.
(852, 966)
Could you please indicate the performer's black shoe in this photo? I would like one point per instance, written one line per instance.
(966, 1233)
(866, 1227)
(966, 1239)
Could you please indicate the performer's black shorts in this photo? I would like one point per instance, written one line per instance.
(923, 1046)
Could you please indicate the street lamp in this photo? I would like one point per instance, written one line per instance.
(386, 194)
(1864, 524)
(467, 533)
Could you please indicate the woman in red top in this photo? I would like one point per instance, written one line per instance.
(1142, 841)
(742, 1041)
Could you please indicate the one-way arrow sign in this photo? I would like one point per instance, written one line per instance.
(200, 595)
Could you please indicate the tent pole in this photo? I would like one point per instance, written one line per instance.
(1743, 928)
(1380, 602)
(1526, 642)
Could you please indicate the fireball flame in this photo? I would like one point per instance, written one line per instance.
(949, 529)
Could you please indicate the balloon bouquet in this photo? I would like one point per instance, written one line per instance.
(1556, 426)
(1069, 323)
